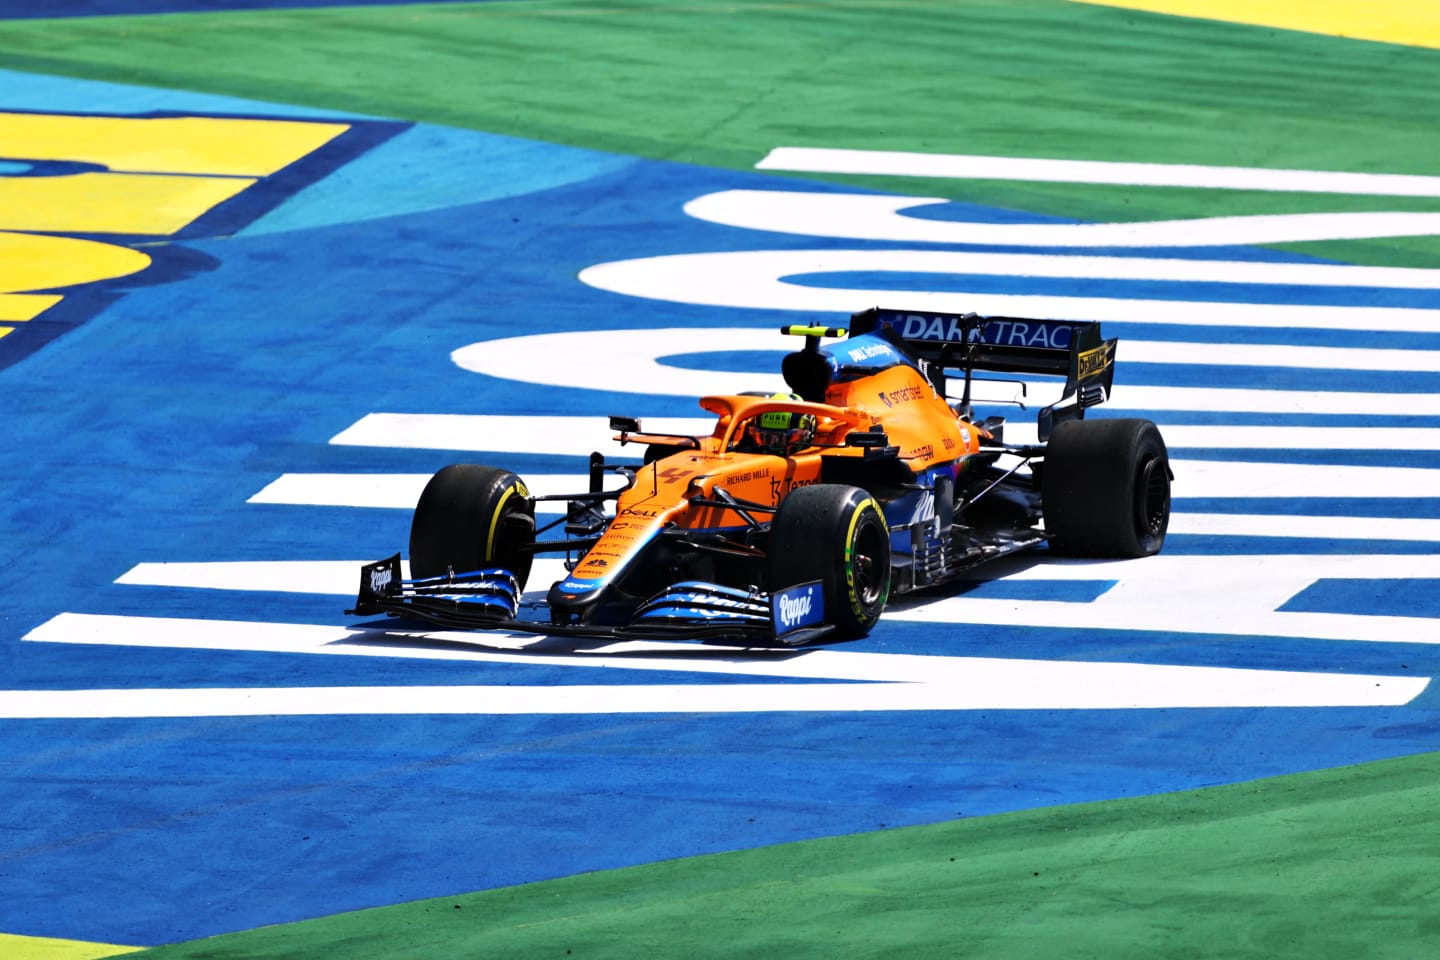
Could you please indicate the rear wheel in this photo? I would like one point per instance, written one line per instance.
(1106, 488)
(470, 517)
(838, 535)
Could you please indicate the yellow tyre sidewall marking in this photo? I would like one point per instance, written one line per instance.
(517, 489)
(868, 504)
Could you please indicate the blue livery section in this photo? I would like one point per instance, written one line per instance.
(998, 331)
(860, 356)
(798, 607)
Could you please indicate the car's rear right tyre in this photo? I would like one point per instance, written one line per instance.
(836, 534)
(470, 517)
(1105, 488)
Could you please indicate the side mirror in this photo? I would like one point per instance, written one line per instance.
(874, 437)
(625, 424)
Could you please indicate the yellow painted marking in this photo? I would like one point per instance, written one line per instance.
(196, 145)
(111, 202)
(37, 262)
(6, 331)
(14, 947)
(19, 307)
(1411, 22)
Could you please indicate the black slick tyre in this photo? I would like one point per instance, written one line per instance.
(470, 517)
(836, 534)
(1106, 488)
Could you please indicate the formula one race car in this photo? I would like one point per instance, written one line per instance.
(802, 513)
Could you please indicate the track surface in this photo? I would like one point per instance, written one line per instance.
(278, 291)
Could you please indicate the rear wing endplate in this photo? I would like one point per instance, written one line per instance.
(1069, 348)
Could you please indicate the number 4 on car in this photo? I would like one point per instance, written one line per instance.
(802, 513)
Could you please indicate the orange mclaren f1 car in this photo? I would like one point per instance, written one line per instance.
(802, 513)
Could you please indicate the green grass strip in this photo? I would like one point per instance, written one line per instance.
(1339, 863)
(721, 84)
(708, 82)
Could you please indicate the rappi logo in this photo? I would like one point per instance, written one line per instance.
(380, 579)
(798, 607)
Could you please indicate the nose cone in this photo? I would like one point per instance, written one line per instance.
(573, 600)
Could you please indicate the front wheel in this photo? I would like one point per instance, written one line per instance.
(1105, 488)
(470, 517)
(838, 535)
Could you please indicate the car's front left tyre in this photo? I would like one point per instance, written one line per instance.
(470, 517)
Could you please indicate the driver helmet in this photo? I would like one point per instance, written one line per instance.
(783, 431)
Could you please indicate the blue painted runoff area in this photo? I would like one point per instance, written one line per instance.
(141, 434)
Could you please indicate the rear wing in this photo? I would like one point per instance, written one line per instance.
(970, 342)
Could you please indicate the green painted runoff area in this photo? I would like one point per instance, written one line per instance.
(721, 84)
(1339, 863)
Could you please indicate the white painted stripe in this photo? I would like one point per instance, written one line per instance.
(1194, 478)
(1202, 399)
(1276, 355)
(1246, 437)
(1302, 438)
(573, 436)
(757, 279)
(1294, 569)
(894, 682)
(1174, 593)
(862, 216)
(599, 360)
(568, 435)
(1034, 169)
(1215, 617)
(1254, 526)
(1170, 592)
(998, 685)
(330, 577)
(1205, 478)
(341, 577)
(392, 490)
(395, 490)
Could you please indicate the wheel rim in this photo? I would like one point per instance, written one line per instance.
(1152, 505)
(869, 565)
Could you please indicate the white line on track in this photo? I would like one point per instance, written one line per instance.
(1277, 355)
(862, 216)
(395, 490)
(1236, 595)
(1194, 478)
(760, 280)
(887, 681)
(1254, 526)
(1035, 169)
(1231, 595)
(1271, 579)
(600, 359)
(576, 436)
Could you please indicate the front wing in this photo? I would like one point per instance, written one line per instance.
(490, 599)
